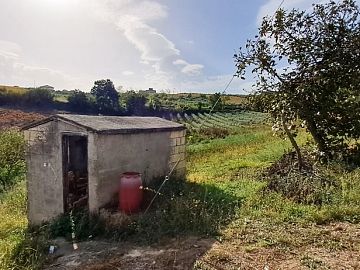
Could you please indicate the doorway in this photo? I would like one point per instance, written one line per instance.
(75, 172)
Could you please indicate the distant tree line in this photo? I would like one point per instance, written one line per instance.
(36, 97)
(105, 100)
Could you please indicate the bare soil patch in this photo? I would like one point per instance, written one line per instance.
(254, 246)
(335, 246)
(17, 118)
(96, 255)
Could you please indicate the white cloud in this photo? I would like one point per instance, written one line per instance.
(127, 73)
(9, 48)
(12, 69)
(192, 69)
(133, 18)
(153, 45)
(212, 84)
(109, 10)
(189, 69)
(180, 62)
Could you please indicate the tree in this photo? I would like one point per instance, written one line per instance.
(135, 103)
(154, 102)
(308, 69)
(107, 98)
(216, 101)
(39, 97)
(78, 101)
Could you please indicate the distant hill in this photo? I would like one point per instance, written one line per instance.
(12, 89)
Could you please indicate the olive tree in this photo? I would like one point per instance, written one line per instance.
(307, 66)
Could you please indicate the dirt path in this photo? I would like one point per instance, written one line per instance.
(94, 255)
(335, 246)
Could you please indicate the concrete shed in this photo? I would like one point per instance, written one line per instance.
(79, 159)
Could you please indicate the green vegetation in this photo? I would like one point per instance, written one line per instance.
(106, 97)
(10, 95)
(12, 163)
(307, 66)
(224, 188)
(32, 97)
(135, 103)
(80, 102)
(243, 184)
(205, 126)
(12, 224)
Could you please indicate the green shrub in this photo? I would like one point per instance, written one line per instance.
(311, 185)
(39, 97)
(85, 225)
(80, 102)
(206, 133)
(12, 164)
(182, 208)
(10, 97)
(30, 253)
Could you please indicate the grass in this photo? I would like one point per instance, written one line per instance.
(61, 97)
(20, 247)
(13, 223)
(12, 89)
(225, 197)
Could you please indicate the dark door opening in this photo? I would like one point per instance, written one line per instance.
(75, 172)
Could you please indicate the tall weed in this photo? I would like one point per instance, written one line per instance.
(12, 164)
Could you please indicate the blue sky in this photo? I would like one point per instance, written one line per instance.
(172, 45)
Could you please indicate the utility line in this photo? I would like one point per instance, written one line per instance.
(222, 93)
(232, 78)
(282, 2)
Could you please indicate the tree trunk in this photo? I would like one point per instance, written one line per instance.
(293, 143)
(317, 135)
(318, 138)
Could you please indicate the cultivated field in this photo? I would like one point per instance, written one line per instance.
(230, 121)
(17, 118)
(222, 217)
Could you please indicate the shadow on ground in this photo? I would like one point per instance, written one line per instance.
(180, 226)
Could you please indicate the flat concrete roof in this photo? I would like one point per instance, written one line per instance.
(114, 124)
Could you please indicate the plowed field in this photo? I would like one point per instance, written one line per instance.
(17, 118)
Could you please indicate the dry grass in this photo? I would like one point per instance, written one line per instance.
(12, 89)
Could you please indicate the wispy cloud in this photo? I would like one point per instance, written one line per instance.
(127, 73)
(189, 69)
(133, 19)
(13, 69)
(212, 84)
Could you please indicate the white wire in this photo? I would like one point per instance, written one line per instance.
(222, 93)
(232, 78)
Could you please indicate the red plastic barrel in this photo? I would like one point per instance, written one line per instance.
(130, 192)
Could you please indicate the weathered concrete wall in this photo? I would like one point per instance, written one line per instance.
(93, 170)
(151, 154)
(44, 170)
